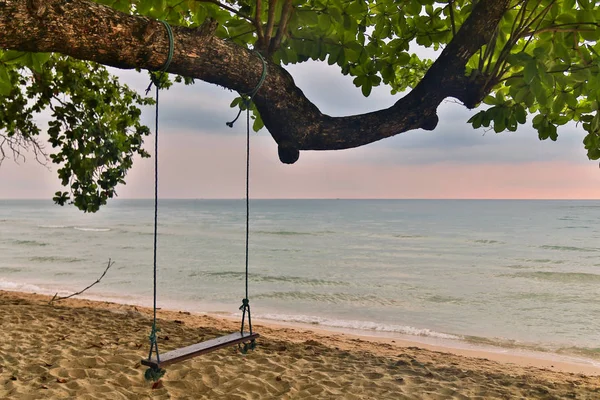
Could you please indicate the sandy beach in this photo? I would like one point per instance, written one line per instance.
(86, 349)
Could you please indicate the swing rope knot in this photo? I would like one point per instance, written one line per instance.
(153, 335)
(245, 304)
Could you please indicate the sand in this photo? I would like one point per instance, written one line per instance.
(82, 349)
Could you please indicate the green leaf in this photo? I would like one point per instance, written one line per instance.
(520, 113)
(530, 71)
(477, 119)
(366, 88)
(5, 83)
(13, 57)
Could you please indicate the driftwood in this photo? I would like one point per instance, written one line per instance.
(57, 298)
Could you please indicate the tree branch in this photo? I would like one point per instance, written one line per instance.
(258, 23)
(572, 27)
(19, 144)
(286, 12)
(90, 31)
(57, 298)
(228, 8)
(452, 22)
(270, 22)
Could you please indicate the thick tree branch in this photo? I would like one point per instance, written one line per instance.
(89, 31)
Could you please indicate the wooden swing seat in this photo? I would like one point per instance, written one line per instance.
(185, 353)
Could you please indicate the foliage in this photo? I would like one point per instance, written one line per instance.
(95, 122)
(543, 62)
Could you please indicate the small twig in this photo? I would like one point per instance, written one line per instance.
(258, 23)
(228, 8)
(56, 298)
(452, 22)
(286, 12)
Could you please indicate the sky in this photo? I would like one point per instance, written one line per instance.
(200, 157)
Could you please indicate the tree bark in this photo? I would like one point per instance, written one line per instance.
(90, 31)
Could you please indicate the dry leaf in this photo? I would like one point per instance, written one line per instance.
(157, 385)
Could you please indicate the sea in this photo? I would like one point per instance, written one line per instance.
(507, 274)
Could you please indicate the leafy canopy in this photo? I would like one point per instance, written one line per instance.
(543, 62)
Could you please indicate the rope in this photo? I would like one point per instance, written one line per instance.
(156, 373)
(250, 95)
(247, 98)
(245, 307)
(153, 336)
(247, 192)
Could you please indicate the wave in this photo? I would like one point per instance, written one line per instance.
(357, 325)
(11, 270)
(330, 298)
(238, 275)
(91, 229)
(487, 241)
(287, 233)
(29, 243)
(410, 236)
(444, 299)
(20, 287)
(517, 266)
(588, 352)
(544, 261)
(55, 259)
(64, 273)
(563, 277)
(568, 248)
(78, 228)
(591, 355)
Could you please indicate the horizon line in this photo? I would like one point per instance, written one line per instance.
(325, 198)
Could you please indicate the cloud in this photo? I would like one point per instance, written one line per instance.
(202, 158)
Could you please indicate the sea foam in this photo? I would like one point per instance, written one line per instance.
(357, 325)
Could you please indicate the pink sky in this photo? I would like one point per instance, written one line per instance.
(201, 158)
(213, 167)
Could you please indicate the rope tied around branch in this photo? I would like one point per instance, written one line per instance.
(156, 78)
(247, 97)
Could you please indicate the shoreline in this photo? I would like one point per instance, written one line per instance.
(517, 356)
(78, 348)
(523, 358)
(457, 344)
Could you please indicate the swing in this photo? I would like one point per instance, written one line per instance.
(246, 340)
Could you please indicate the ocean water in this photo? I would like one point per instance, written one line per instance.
(522, 274)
